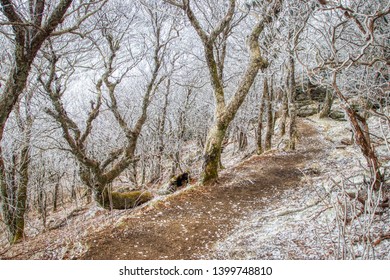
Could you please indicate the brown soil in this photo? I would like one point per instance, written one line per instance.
(188, 224)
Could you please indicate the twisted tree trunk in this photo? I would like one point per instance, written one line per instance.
(362, 136)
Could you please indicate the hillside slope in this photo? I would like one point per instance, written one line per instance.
(273, 206)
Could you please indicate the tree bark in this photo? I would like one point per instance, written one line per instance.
(212, 152)
(225, 114)
(55, 195)
(326, 109)
(42, 205)
(362, 137)
(269, 100)
(284, 113)
(14, 192)
(292, 130)
(242, 139)
(259, 135)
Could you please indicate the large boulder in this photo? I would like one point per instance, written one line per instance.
(308, 91)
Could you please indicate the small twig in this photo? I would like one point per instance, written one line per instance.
(291, 211)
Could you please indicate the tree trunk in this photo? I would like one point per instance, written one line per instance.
(242, 139)
(22, 193)
(13, 212)
(326, 109)
(292, 132)
(55, 195)
(212, 153)
(175, 157)
(224, 114)
(284, 114)
(132, 173)
(73, 193)
(269, 131)
(259, 135)
(14, 197)
(292, 129)
(156, 177)
(42, 205)
(14, 191)
(181, 132)
(362, 137)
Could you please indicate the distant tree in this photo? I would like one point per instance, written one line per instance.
(348, 51)
(26, 26)
(97, 173)
(16, 159)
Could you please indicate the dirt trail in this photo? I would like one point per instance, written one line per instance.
(187, 225)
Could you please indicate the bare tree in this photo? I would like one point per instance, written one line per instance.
(16, 179)
(224, 113)
(96, 173)
(353, 38)
(28, 27)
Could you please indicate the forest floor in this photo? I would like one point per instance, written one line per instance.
(189, 224)
(261, 208)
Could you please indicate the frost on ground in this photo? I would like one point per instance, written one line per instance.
(281, 205)
(64, 237)
(318, 219)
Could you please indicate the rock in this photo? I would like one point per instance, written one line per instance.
(174, 183)
(318, 93)
(303, 103)
(310, 92)
(337, 115)
(308, 110)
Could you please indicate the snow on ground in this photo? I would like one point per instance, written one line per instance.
(302, 224)
(296, 224)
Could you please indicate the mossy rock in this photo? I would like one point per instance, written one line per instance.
(310, 92)
(337, 115)
(128, 200)
(307, 111)
(303, 103)
(125, 189)
(180, 180)
(174, 183)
